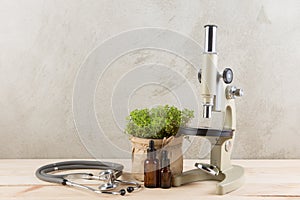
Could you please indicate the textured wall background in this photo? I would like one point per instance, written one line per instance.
(43, 43)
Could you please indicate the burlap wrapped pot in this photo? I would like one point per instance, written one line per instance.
(139, 153)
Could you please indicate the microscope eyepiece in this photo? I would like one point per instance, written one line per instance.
(210, 39)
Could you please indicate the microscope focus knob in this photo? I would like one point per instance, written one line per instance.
(227, 75)
(232, 92)
(239, 92)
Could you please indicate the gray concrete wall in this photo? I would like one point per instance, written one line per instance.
(43, 44)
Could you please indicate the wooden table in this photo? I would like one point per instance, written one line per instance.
(265, 179)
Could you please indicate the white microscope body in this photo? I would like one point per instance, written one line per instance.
(218, 99)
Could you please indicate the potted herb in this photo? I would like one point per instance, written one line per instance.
(160, 124)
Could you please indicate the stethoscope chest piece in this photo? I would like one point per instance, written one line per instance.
(110, 177)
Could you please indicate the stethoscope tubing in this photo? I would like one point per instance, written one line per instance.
(43, 172)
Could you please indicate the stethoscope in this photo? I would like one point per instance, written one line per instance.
(110, 176)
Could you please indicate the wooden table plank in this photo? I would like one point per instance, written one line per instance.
(265, 179)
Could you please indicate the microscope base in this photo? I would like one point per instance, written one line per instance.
(230, 179)
(233, 179)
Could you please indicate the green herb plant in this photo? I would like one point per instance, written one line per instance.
(157, 122)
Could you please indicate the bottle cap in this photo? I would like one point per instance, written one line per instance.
(165, 161)
(151, 146)
(151, 151)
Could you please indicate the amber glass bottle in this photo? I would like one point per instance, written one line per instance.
(151, 168)
(165, 172)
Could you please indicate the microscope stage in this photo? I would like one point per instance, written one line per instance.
(205, 132)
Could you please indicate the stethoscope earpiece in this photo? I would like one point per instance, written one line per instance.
(122, 192)
(130, 189)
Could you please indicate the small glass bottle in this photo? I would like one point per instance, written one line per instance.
(165, 172)
(151, 168)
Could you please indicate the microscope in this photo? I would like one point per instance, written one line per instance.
(218, 98)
